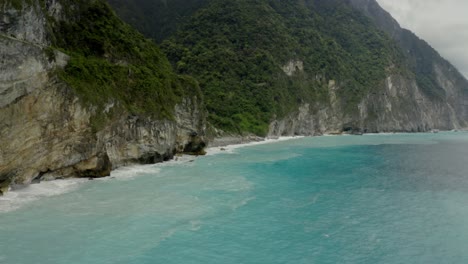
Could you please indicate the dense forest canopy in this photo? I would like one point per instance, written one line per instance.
(237, 51)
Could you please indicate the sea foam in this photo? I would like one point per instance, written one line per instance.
(18, 198)
(231, 148)
(15, 199)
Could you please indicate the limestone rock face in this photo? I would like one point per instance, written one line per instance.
(398, 106)
(293, 66)
(27, 24)
(45, 130)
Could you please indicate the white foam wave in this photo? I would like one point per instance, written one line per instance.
(15, 199)
(132, 172)
(178, 160)
(232, 148)
(18, 198)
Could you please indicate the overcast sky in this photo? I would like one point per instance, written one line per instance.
(442, 23)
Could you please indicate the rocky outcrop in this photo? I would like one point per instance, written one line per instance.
(27, 24)
(46, 132)
(293, 66)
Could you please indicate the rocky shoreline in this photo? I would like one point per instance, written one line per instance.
(215, 146)
(47, 132)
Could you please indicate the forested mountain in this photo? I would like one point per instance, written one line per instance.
(425, 62)
(258, 61)
(239, 51)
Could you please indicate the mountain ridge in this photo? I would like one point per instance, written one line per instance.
(405, 38)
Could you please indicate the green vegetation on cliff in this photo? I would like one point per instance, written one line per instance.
(421, 59)
(157, 19)
(236, 49)
(113, 63)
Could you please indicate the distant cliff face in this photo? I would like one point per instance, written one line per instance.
(398, 105)
(51, 128)
(434, 95)
(430, 69)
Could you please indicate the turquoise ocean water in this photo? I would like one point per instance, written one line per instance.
(352, 199)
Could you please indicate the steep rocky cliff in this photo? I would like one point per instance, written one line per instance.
(434, 95)
(50, 129)
(398, 105)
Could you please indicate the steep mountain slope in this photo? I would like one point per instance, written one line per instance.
(257, 59)
(433, 73)
(310, 66)
(81, 93)
(157, 19)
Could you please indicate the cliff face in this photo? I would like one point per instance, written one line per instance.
(398, 105)
(431, 70)
(47, 132)
(433, 96)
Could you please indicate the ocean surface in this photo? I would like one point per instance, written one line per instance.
(399, 198)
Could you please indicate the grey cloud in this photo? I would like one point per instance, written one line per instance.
(443, 24)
